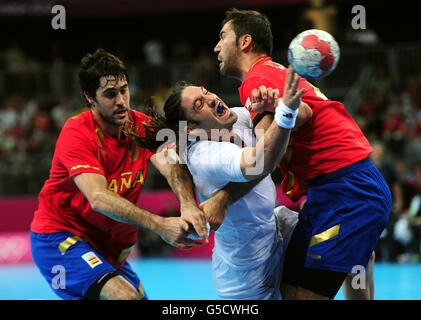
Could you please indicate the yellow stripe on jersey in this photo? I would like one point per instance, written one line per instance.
(325, 235)
(66, 244)
(141, 290)
(83, 166)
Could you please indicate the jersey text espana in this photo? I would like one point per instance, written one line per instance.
(83, 147)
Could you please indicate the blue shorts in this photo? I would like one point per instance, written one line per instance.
(342, 220)
(71, 265)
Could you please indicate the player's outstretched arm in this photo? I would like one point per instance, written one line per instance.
(109, 203)
(262, 159)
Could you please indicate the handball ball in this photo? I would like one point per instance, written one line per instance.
(313, 54)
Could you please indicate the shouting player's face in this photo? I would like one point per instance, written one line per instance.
(227, 51)
(206, 109)
(112, 101)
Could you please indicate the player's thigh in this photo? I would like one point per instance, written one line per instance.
(314, 284)
(295, 257)
(346, 212)
(120, 284)
(288, 291)
(319, 284)
(360, 285)
(118, 288)
(68, 263)
(302, 282)
(130, 275)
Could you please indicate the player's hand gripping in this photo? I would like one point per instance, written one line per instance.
(193, 215)
(174, 231)
(215, 211)
(264, 99)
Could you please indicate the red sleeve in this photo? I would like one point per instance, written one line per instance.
(77, 153)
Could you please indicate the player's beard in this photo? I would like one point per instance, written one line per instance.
(230, 63)
(112, 120)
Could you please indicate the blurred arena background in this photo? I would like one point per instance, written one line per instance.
(378, 78)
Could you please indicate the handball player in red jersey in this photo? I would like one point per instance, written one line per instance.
(87, 220)
(347, 200)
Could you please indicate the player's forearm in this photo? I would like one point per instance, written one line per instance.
(269, 150)
(263, 135)
(234, 191)
(181, 182)
(117, 208)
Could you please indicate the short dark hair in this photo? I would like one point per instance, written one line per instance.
(96, 65)
(254, 23)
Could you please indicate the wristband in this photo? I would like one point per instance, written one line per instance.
(285, 117)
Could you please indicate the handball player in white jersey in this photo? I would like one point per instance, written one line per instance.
(249, 246)
(221, 148)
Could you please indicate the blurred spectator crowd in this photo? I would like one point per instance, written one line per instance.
(36, 99)
(389, 112)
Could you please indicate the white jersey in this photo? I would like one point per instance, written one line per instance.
(248, 236)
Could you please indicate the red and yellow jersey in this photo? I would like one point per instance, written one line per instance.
(330, 140)
(83, 147)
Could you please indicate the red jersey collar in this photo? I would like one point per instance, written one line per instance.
(265, 58)
(98, 126)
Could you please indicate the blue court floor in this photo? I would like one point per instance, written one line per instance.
(183, 279)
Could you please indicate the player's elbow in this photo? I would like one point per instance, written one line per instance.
(269, 169)
(257, 170)
(255, 165)
(96, 201)
(272, 168)
(255, 173)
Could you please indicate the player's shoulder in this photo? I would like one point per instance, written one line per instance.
(195, 153)
(240, 111)
(197, 148)
(138, 116)
(209, 149)
(80, 128)
(81, 122)
(267, 73)
(243, 116)
(272, 65)
(267, 65)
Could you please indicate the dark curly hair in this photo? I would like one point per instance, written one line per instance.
(174, 113)
(96, 65)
